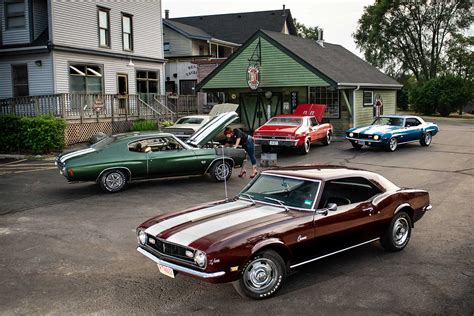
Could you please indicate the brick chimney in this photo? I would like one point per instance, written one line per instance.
(320, 39)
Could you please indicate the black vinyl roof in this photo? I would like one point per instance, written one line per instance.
(238, 27)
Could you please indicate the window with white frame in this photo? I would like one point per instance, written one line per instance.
(127, 32)
(368, 98)
(85, 79)
(104, 27)
(20, 80)
(14, 14)
(328, 96)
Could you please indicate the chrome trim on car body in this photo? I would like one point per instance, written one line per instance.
(333, 253)
(428, 207)
(179, 268)
(111, 168)
(281, 142)
(368, 140)
(400, 207)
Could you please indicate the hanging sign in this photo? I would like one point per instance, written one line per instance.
(253, 77)
(378, 106)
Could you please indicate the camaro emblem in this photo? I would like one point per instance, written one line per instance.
(203, 162)
(300, 238)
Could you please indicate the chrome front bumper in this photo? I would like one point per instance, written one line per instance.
(179, 268)
(428, 208)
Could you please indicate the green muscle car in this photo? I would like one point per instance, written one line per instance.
(117, 159)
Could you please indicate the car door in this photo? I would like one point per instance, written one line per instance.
(353, 221)
(168, 157)
(412, 129)
(318, 131)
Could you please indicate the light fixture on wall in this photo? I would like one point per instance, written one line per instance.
(38, 63)
(130, 63)
(268, 94)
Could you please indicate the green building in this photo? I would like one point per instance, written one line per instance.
(272, 73)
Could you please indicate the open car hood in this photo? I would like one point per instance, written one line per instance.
(222, 108)
(316, 110)
(211, 129)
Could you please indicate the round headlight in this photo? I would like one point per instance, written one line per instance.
(351, 134)
(200, 258)
(142, 238)
(376, 137)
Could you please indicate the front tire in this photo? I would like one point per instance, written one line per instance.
(426, 139)
(262, 276)
(303, 150)
(327, 140)
(355, 145)
(398, 234)
(221, 170)
(113, 181)
(392, 144)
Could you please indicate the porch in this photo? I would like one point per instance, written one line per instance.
(89, 114)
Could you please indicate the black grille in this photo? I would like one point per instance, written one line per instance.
(170, 249)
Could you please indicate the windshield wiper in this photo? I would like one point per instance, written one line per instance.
(278, 201)
(250, 197)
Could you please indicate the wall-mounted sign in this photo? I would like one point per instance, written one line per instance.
(293, 100)
(253, 77)
(378, 106)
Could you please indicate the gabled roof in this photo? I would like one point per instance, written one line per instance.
(238, 27)
(187, 30)
(334, 61)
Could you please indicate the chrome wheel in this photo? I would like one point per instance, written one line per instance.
(260, 275)
(221, 171)
(400, 231)
(393, 144)
(114, 180)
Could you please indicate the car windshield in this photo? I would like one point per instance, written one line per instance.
(281, 190)
(394, 121)
(291, 121)
(190, 120)
(104, 142)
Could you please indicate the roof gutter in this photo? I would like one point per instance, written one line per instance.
(359, 85)
(22, 49)
(218, 41)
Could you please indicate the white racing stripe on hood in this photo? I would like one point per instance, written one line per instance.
(195, 215)
(189, 235)
(76, 153)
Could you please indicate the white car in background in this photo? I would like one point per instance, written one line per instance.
(188, 125)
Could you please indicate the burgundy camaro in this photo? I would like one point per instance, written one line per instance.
(283, 219)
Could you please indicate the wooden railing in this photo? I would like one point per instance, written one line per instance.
(96, 106)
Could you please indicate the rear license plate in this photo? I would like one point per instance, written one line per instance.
(166, 270)
(273, 143)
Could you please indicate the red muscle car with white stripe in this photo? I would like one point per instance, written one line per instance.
(284, 218)
(299, 130)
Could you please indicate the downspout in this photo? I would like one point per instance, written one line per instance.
(354, 117)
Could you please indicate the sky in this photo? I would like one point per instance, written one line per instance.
(338, 18)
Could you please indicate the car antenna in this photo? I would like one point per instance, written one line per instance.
(225, 176)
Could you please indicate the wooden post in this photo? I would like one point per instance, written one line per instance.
(37, 108)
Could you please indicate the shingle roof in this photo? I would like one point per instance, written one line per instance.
(238, 27)
(188, 30)
(333, 60)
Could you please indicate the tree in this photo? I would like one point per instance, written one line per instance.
(306, 31)
(460, 57)
(412, 36)
(444, 94)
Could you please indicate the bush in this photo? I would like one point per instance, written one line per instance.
(445, 94)
(37, 135)
(167, 123)
(144, 125)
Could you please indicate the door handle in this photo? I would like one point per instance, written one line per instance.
(368, 209)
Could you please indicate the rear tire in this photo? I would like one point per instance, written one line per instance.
(327, 140)
(262, 276)
(426, 139)
(303, 150)
(398, 233)
(112, 181)
(221, 170)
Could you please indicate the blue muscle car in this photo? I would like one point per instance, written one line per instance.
(390, 131)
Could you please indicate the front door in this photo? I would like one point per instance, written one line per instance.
(122, 90)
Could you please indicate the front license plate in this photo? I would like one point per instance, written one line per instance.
(166, 271)
(361, 142)
(273, 143)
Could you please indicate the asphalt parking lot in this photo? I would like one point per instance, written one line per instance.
(70, 249)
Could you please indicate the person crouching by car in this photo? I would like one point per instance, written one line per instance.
(238, 137)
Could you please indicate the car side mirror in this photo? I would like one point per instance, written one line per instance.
(332, 207)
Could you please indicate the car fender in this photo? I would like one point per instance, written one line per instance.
(232, 162)
(268, 243)
(111, 168)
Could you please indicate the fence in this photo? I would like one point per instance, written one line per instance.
(88, 114)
